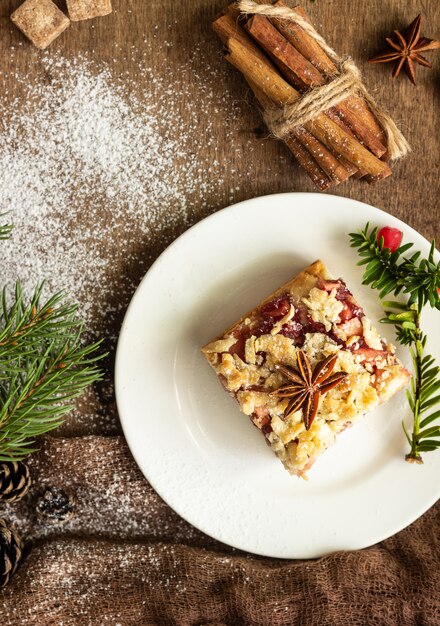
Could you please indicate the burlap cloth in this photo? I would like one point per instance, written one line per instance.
(126, 559)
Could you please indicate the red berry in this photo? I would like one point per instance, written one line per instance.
(392, 237)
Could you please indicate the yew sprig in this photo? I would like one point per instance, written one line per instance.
(417, 281)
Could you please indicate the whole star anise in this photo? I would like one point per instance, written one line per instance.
(406, 50)
(305, 385)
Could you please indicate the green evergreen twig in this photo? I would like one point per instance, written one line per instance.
(43, 368)
(418, 279)
(5, 229)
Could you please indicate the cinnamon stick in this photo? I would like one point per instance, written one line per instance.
(295, 68)
(330, 166)
(226, 27)
(299, 72)
(302, 41)
(292, 64)
(337, 120)
(308, 163)
(355, 110)
(337, 168)
(281, 93)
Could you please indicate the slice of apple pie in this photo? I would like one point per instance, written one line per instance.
(305, 364)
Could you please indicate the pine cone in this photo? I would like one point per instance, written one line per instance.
(55, 505)
(10, 552)
(15, 480)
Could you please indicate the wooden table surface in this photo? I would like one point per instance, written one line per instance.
(356, 28)
(218, 127)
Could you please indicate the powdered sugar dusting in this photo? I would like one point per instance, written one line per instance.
(112, 499)
(92, 169)
(101, 171)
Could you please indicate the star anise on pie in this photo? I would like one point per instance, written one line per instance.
(406, 50)
(305, 385)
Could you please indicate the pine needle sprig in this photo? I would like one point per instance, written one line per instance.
(418, 279)
(392, 272)
(5, 229)
(423, 394)
(24, 325)
(43, 368)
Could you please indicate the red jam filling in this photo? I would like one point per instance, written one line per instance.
(302, 323)
(276, 308)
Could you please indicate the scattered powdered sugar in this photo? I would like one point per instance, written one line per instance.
(99, 171)
(111, 497)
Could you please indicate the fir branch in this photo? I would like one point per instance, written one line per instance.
(425, 383)
(419, 279)
(24, 326)
(392, 272)
(43, 368)
(5, 229)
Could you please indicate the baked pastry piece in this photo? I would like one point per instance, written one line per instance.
(305, 364)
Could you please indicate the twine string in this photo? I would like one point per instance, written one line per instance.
(281, 121)
(347, 82)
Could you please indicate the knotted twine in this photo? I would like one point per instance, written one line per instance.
(346, 82)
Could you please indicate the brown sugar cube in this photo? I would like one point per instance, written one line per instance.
(87, 9)
(41, 21)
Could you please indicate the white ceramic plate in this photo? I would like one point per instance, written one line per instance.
(205, 458)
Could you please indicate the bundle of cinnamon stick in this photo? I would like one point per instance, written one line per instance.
(280, 62)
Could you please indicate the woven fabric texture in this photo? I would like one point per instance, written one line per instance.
(125, 558)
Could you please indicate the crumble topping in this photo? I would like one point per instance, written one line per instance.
(350, 362)
(371, 335)
(311, 443)
(323, 306)
(251, 400)
(278, 348)
(239, 374)
(355, 395)
(290, 430)
(278, 447)
(274, 380)
(250, 353)
(389, 381)
(318, 346)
